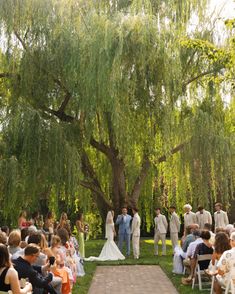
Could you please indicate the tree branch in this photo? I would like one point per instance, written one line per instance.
(94, 184)
(173, 151)
(56, 80)
(101, 147)
(22, 42)
(146, 164)
(61, 115)
(140, 179)
(112, 140)
(200, 76)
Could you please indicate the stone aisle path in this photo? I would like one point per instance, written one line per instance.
(134, 279)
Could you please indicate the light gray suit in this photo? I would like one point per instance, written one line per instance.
(174, 229)
(203, 218)
(135, 231)
(221, 219)
(189, 219)
(161, 226)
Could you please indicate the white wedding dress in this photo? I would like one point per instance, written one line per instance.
(110, 250)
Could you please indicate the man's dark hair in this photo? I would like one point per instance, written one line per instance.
(5, 229)
(158, 208)
(207, 227)
(31, 249)
(205, 235)
(35, 238)
(135, 209)
(124, 207)
(173, 207)
(200, 207)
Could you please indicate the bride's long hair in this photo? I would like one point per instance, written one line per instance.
(109, 217)
(109, 220)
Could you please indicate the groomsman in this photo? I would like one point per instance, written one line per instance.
(189, 216)
(174, 227)
(135, 231)
(203, 217)
(160, 231)
(220, 217)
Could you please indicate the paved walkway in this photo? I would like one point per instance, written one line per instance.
(134, 279)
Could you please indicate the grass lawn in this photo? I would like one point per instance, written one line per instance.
(93, 248)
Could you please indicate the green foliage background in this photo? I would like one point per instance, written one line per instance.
(131, 61)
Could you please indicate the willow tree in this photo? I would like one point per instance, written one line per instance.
(99, 96)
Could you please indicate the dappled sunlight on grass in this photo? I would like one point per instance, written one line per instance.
(151, 241)
(147, 257)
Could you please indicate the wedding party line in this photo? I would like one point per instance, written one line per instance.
(45, 255)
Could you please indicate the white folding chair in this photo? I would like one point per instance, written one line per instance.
(230, 288)
(214, 267)
(198, 272)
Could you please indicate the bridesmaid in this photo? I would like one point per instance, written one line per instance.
(81, 230)
(22, 220)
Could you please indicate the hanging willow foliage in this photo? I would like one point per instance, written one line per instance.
(111, 102)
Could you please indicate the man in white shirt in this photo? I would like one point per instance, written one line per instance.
(161, 226)
(203, 217)
(189, 216)
(174, 226)
(135, 231)
(220, 217)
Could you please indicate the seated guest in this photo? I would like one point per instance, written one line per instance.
(6, 230)
(221, 244)
(190, 255)
(187, 231)
(208, 227)
(202, 249)
(66, 254)
(190, 238)
(14, 242)
(40, 240)
(61, 270)
(180, 253)
(37, 275)
(24, 234)
(225, 265)
(9, 276)
(3, 238)
(229, 229)
(36, 238)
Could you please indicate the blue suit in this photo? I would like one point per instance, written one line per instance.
(124, 232)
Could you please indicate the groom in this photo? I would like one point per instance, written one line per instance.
(124, 232)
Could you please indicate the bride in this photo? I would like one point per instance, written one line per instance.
(110, 250)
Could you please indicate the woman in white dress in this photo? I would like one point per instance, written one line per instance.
(110, 250)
